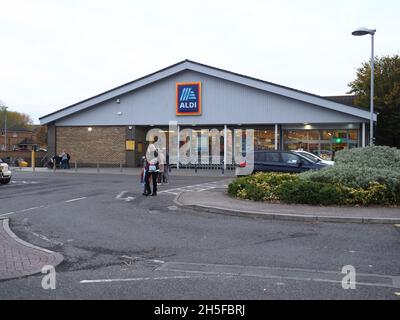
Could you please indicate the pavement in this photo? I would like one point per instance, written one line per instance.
(220, 202)
(129, 171)
(118, 244)
(19, 258)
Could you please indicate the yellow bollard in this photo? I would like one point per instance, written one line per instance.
(33, 160)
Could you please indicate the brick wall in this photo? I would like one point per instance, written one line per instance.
(103, 145)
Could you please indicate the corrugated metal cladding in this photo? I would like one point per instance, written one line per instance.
(223, 102)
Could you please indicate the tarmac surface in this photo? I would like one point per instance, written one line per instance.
(118, 244)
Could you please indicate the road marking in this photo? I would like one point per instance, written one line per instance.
(76, 199)
(127, 199)
(139, 279)
(135, 258)
(197, 187)
(23, 182)
(374, 280)
(41, 207)
(29, 209)
(6, 214)
(43, 237)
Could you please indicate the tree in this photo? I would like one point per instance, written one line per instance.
(386, 97)
(15, 120)
(41, 136)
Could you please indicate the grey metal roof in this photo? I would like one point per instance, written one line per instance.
(211, 71)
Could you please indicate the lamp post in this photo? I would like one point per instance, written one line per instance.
(363, 32)
(5, 129)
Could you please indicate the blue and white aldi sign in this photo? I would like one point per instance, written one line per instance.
(188, 98)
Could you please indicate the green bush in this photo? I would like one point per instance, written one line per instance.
(309, 192)
(260, 186)
(355, 176)
(370, 157)
(361, 176)
(376, 193)
(361, 168)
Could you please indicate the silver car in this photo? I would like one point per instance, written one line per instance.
(314, 158)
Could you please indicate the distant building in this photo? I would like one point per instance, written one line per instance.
(20, 138)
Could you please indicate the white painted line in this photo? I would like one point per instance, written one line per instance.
(138, 279)
(29, 209)
(43, 237)
(76, 199)
(158, 261)
(196, 187)
(127, 199)
(119, 196)
(7, 214)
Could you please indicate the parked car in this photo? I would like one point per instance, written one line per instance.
(5, 173)
(282, 161)
(314, 157)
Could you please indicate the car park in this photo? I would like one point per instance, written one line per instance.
(5, 173)
(282, 161)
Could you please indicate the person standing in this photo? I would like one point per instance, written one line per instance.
(165, 174)
(68, 159)
(64, 159)
(152, 168)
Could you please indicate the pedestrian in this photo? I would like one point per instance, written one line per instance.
(165, 174)
(161, 159)
(68, 159)
(152, 168)
(64, 159)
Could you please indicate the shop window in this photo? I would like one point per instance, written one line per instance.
(264, 139)
(313, 135)
(353, 135)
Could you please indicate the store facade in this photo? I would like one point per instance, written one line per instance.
(112, 127)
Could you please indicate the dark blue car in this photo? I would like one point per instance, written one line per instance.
(282, 161)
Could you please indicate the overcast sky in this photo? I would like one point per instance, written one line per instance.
(54, 53)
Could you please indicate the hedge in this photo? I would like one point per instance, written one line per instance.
(367, 176)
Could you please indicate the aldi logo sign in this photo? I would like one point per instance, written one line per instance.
(188, 98)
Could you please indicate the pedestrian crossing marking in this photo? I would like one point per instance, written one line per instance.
(200, 187)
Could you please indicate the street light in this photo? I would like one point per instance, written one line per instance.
(363, 32)
(5, 129)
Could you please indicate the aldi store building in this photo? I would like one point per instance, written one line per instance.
(111, 128)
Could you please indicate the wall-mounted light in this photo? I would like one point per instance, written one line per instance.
(118, 101)
(119, 113)
(130, 127)
(90, 129)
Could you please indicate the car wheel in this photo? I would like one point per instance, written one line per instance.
(5, 181)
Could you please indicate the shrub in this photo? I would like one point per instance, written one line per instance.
(260, 186)
(309, 192)
(370, 157)
(361, 167)
(376, 193)
(363, 176)
(355, 176)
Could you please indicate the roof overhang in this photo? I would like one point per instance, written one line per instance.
(211, 71)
